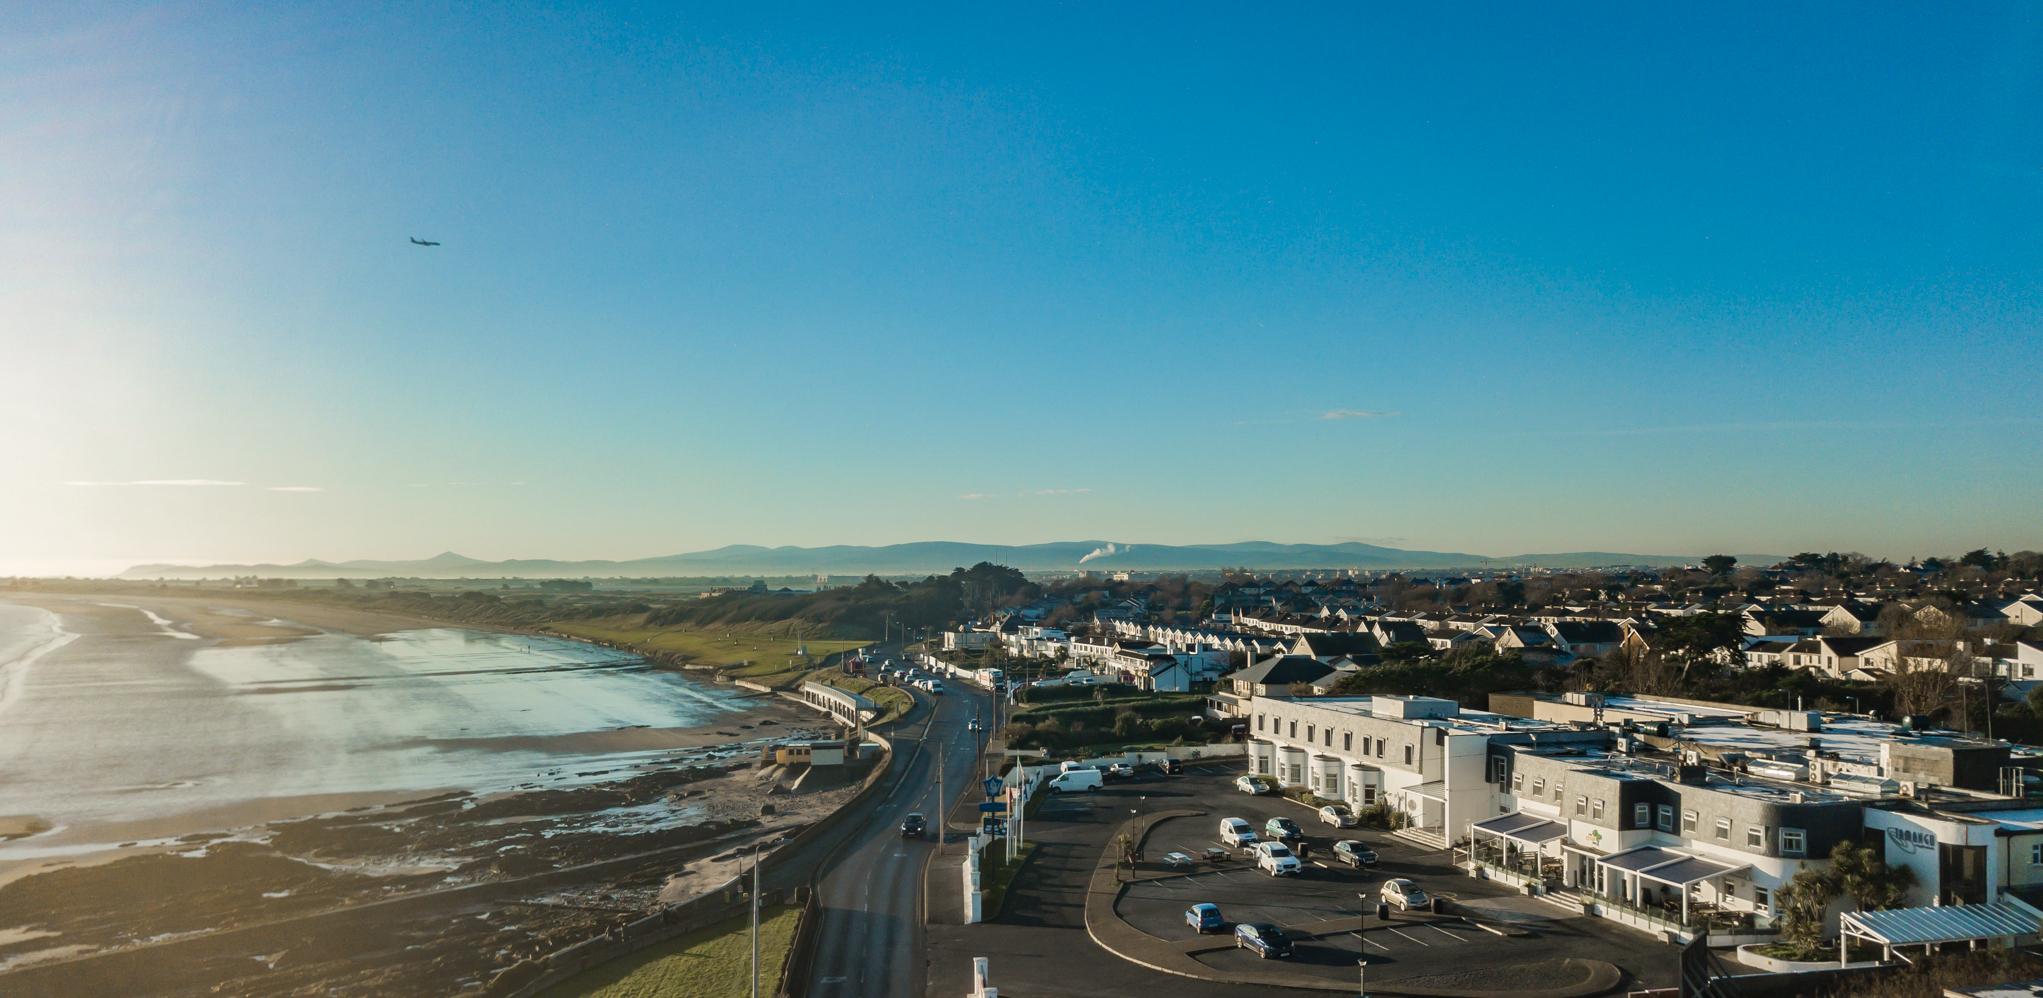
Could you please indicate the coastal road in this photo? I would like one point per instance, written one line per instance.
(871, 941)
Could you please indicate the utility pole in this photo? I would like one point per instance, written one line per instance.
(943, 814)
(1362, 945)
(755, 922)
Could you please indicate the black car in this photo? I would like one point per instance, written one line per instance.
(1354, 853)
(1265, 939)
(1174, 766)
(913, 826)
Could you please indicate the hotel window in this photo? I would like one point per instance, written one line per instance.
(1330, 738)
(1666, 817)
(1518, 781)
(1294, 729)
(1755, 836)
(1259, 722)
(1557, 792)
(1596, 809)
(1794, 842)
(1642, 815)
(2036, 854)
(1308, 732)
(1688, 819)
(1581, 805)
(1539, 786)
(1762, 901)
(1408, 755)
(1724, 829)
(1347, 741)
(1379, 748)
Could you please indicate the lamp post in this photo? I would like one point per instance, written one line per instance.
(1362, 944)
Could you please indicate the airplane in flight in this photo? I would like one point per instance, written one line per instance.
(416, 241)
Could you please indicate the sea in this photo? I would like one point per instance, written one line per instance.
(119, 726)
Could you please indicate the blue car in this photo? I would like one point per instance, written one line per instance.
(1266, 939)
(1205, 917)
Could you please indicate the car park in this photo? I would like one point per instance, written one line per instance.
(1403, 895)
(1205, 917)
(1265, 939)
(1283, 830)
(914, 826)
(1337, 815)
(1276, 859)
(1354, 853)
(1237, 832)
(1252, 785)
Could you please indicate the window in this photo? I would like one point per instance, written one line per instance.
(1762, 901)
(1259, 722)
(1497, 767)
(1379, 748)
(1539, 786)
(1724, 829)
(1294, 729)
(1795, 842)
(1581, 805)
(1557, 792)
(1596, 809)
(1755, 836)
(1308, 732)
(1666, 817)
(1688, 818)
(1642, 815)
(1518, 783)
(1330, 738)
(1408, 755)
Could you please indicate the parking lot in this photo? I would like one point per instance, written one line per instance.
(1523, 945)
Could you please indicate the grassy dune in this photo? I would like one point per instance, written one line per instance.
(712, 963)
(739, 654)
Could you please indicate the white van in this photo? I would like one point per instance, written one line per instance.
(1074, 780)
(1237, 832)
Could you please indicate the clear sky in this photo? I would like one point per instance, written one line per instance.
(1487, 278)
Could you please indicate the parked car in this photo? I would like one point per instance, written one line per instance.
(1205, 917)
(1074, 780)
(1180, 860)
(1283, 830)
(1354, 853)
(1174, 766)
(1120, 771)
(1236, 832)
(1403, 895)
(1275, 859)
(1337, 815)
(1252, 785)
(914, 826)
(1266, 939)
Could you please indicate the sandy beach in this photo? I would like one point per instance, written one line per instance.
(332, 755)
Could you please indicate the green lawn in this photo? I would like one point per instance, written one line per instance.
(893, 701)
(712, 963)
(996, 874)
(763, 658)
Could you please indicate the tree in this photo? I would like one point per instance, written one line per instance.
(1801, 904)
(1869, 883)
(1719, 564)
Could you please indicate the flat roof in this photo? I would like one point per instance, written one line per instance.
(1668, 866)
(1940, 924)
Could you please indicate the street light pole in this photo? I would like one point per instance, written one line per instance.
(755, 922)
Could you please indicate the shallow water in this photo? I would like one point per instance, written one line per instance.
(117, 725)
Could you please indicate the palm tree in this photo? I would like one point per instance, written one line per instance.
(1870, 883)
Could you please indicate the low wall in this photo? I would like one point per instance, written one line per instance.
(529, 977)
(1750, 956)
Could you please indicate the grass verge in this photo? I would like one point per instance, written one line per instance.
(711, 963)
(737, 654)
(996, 873)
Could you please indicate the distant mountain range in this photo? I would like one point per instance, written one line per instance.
(931, 556)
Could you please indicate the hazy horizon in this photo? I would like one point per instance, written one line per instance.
(1611, 278)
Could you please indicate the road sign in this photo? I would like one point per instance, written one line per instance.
(993, 806)
(993, 785)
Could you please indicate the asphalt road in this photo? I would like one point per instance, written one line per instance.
(871, 891)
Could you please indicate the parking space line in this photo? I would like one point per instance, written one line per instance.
(1444, 932)
(1407, 938)
(1368, 941)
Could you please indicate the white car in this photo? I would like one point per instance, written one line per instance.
(972, 725)
(1120, 770)
(1403, 895)
(1252, 785)
(1277, 860)
(1337, 815)
(1237, 832)
(1179, 860)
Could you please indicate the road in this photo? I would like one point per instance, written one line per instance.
(871, 892)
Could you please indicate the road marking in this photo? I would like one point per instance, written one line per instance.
(1401, 935)
(830, 980)
(1321, 865)
(1444, 932)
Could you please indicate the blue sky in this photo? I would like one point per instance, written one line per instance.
(1603, 277)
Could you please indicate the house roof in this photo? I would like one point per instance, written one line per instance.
(1284, 669)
